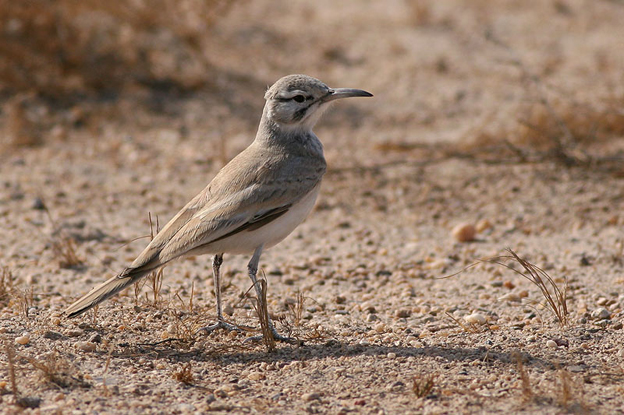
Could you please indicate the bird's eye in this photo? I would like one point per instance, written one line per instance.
(299, 98)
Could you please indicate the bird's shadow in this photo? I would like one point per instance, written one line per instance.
(236, 354)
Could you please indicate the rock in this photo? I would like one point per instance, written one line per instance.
(601, 313)
(74, 332)
(308, 397)
(551, 344)
(23, 340)
(52, 335)
(38, 204)
(255, 376)
(510, 297)
(404, 313)
(475, 318)
(86, 346)
(228, 309)
(464, 232)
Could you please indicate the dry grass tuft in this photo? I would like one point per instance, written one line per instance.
(7, 288)
(25, 300)
(64, 248)
(554, 295)
(184, 375)
(525, 382)
(423, 384)
(59, 371)
(296, 309)
(570, 394)
(467, 327)
(261, 307)
(63, 245)
(10, 351)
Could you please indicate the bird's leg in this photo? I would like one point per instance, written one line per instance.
(221, 323)
(252, 267)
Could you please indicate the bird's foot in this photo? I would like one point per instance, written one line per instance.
(220, 324)
(277, 337)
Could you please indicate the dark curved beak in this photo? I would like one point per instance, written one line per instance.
(338, 93)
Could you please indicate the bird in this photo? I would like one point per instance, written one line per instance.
(253, 203)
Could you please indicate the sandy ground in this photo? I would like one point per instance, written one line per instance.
(361, 282)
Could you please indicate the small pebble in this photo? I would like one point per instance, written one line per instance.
(228, 309)
(403, 313)
(380, 327)
(86, 346)
(38, 204)
(220, 393)
(307, 397)
(464, 232)
(552, 344)
(601, 314)
(74, 332)
(391, 355)
(23, 340)
(371, 317)
(255, 376)
(52, 335)
(475, 318)
(508, 284)
(510, 297)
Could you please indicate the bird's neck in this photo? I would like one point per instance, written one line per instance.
(297, 138)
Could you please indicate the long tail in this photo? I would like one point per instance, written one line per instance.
(105, 290)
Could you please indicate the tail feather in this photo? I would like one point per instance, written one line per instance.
(106, 290)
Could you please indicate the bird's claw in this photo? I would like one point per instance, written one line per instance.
(277, 337)
(220, 324)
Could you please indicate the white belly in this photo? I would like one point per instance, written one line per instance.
(268, 235)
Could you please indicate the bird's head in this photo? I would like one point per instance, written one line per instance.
(298, 101)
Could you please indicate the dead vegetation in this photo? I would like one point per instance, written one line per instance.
(7, 287)
(550, 124)
(423, 385)
(261, 307)
(71, 46)
(525, 381)
(58, 371)
(554, 295)
(184, 375)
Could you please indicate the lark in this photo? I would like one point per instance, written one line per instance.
(253, 203)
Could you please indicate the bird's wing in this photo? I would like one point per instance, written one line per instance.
(246, 210)
(235, 200)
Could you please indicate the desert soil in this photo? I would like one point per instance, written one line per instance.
(366, 282)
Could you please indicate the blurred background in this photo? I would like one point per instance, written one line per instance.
(489, 77)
